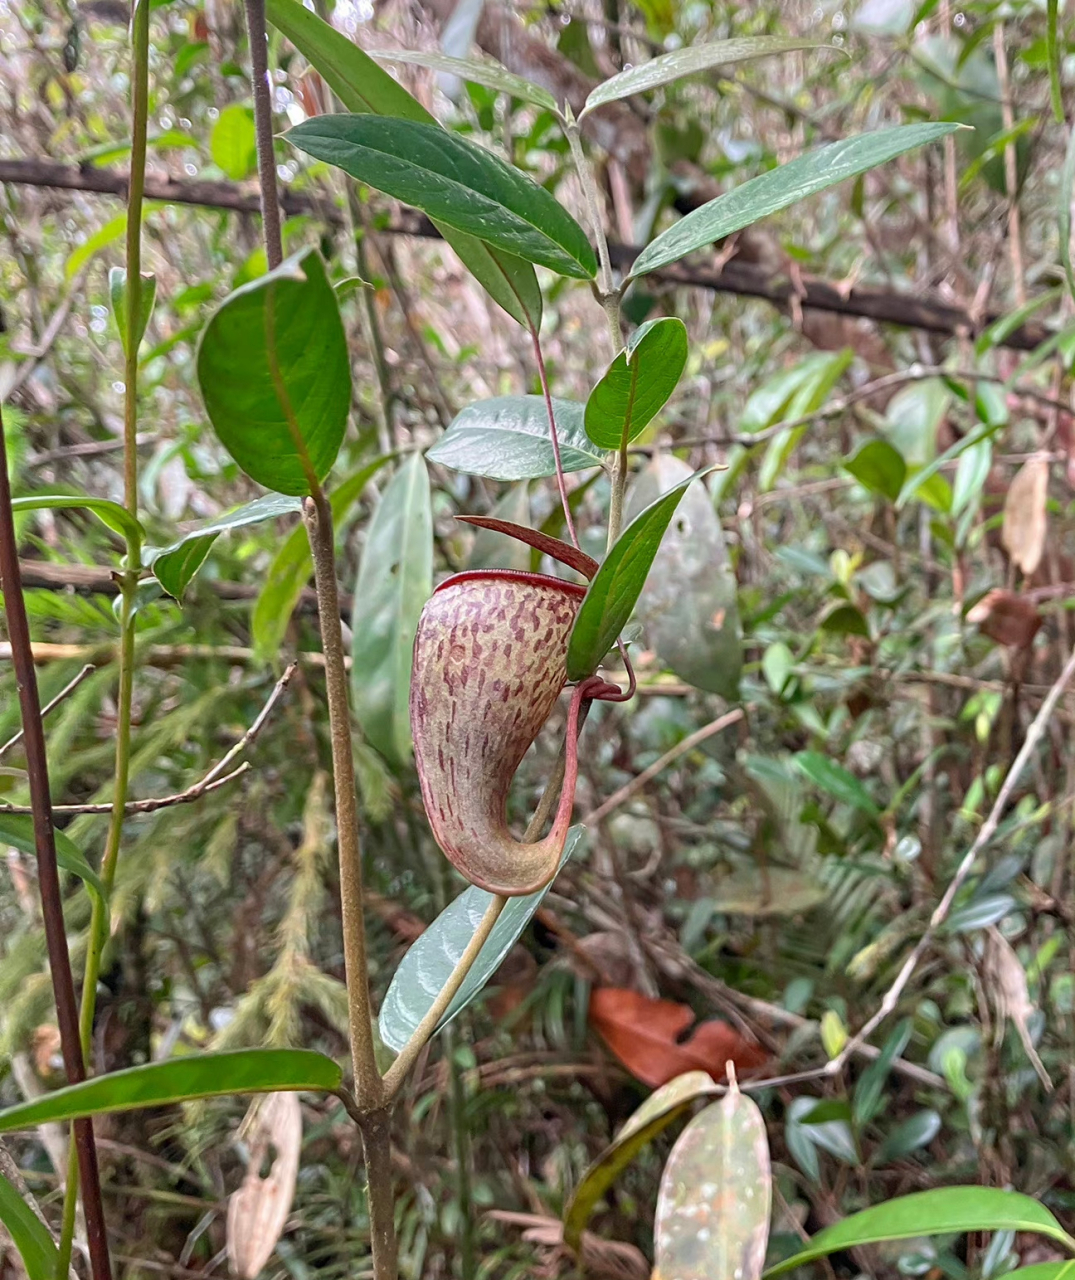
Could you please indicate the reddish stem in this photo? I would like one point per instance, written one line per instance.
(560, 484)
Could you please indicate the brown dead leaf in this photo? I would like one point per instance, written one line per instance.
(258, 1211)
(645, 1035)
(601, 1259)
(1007, 987)
(1023, 531)
(1007, 618)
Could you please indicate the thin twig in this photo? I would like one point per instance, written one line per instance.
(16, 738)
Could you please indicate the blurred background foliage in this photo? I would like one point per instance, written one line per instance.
(893, 573)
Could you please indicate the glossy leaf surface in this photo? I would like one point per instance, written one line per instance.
(637, 384)
(715, 1198)
(770, 192)
(275, 375)
(618, 584)
(204, 1075)
(363, 86)
(175, 565)
(689, 606)
(507, 438)
(689, 61)
(662, 1108)
(117, 293)
(454, 181)
(429, 962)
(395, 578)
(291, 568)
(110, 514)
(30, 1235)
(942, 1211)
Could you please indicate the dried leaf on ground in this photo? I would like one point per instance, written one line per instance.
(645, 1035)
(601, 1259)
(1007, 987)
(258, 1211)
(1023, 531)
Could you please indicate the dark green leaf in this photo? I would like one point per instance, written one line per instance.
(616, 587)
(942, 1211)
(835, 779)
(661, 1108)
(870, 1087)
(483, 71)
(775, 190)
(176, 564)
(292, 566)
(689, 606)
(203, 1075)
(507, 438)
(717, 1176)
(911, 1135)
(454, 181)
(30, 1235)
(17, 830)
(361, 85)
(275, 375)
(879, 467)
(637, 383)
(428, 964)
(844, 619)
(117, 292)
(110, 514)
(395, 580)
(689, 61)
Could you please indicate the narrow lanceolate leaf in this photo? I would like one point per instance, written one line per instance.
(30, 1235)
(689, 62)
(484, 71)
(716, 1192)
(770, 192)
(276, 377)
(175, 565)
(662, 1108)
(507, 438)
(394, 581)
(428, 964)
(689, 606)
(17, 830)
(110, 514)
(454, 181)
(942, 1211)
(637, 383)
(205, 1075)
(618, 584)
(363, 86)
(291, 567)
(117, 293)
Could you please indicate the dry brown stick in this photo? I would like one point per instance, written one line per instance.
(745, 279)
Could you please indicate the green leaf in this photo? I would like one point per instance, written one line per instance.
(844, 619)
(910, 1135)
(718, 1177)
(361, 85)
(770, 192)
(835, 779)
(974, 467)
(395, 579)
(426, 967)
(1056, 94)
(637, 384)
(618, 583)
(879, 467)
(158, 1084)
(454, 181)
(30, 1235)
(689, 606)
(869, 1090)
(117, 292)
(232, 143)
(1067, 191)
(292, 566)
(1044, 1271)
(17, 830)
(110, 514)
(176, 564)
(942, 1211)
(920, 477)
(507, 438)
(275, 375)
(688, 62)
(662, 1108)
(114, 229)
(485, 71)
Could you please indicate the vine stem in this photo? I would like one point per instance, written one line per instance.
(128, 582)
(63, 985)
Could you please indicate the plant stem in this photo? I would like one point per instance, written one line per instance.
(259, 75)
(135, 193)
(48, 874)
(553, 436)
